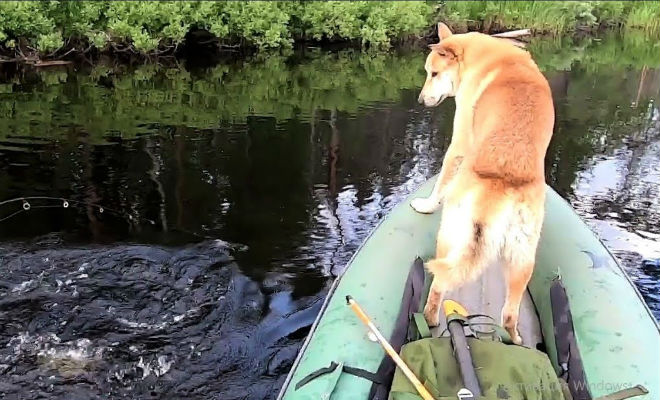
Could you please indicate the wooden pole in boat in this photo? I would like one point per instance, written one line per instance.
(389, 349)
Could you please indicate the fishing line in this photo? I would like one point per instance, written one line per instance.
(64, 203)
(12, 215)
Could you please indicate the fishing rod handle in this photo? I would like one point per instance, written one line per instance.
(421, 389)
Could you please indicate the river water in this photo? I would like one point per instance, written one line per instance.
(210, 206)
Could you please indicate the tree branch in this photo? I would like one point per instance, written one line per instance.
(513, 34)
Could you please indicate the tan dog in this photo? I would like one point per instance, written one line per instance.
(492, 182)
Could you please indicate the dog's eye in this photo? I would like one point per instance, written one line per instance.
(433, 74)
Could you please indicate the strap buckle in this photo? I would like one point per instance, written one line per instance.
(464, 394)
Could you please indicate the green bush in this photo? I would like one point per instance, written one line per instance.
(146, 26)
(369, 21)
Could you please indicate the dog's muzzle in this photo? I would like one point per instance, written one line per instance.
(422, 100)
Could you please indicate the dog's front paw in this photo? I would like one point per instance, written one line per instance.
(424, 206)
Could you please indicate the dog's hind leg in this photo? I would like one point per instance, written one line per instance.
(458, 260)
(519, 254)
(448, 275)
(443, 280)
(517, 278)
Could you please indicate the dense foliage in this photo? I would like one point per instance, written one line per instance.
(44, 27)
(146, 24)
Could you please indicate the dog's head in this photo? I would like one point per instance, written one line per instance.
(441, 67)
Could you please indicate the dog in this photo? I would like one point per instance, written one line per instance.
(491, 184)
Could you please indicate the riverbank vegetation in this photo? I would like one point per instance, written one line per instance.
(57, 29)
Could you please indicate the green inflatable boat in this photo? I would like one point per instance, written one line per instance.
(587, 333)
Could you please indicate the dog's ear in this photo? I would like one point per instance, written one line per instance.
(450, 50)
(443, 31)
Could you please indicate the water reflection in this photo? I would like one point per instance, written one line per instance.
(293, 160)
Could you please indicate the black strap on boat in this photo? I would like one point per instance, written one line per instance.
(410, 304)
(359, 372)
(568, 354)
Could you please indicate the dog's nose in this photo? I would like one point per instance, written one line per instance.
(420, 99)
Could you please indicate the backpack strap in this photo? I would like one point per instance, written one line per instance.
(496, 330)
(423, 329)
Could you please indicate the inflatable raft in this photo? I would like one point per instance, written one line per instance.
(581, 313)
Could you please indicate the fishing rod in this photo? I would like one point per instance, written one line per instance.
(64, 203)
